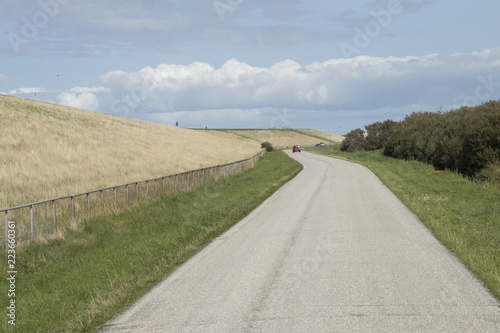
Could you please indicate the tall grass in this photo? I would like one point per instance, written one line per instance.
(48, 150)
(325, 136)
(280, 137)
(463, 214)
(78, 283)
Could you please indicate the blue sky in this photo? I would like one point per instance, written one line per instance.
(333, 66)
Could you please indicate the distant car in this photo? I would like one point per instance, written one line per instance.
(296, 148)
(321, 144)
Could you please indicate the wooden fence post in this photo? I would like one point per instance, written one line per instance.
(32, 223)
(88, 204)
(73, 209)
(128, 204)
(6, 229)
(54, 215)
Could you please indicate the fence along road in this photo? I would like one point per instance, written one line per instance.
(332, 251)
(45, 218)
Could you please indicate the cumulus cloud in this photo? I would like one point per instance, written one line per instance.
(29, 90)
(79, 89)
(360, 83)
(87, 101)
(362, 86)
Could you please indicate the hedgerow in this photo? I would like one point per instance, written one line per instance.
(464, 140)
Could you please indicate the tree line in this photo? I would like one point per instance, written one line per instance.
(464, 140)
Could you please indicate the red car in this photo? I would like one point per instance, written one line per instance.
(296, 148)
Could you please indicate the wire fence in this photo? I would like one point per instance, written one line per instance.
(47, 218)
(291, 146)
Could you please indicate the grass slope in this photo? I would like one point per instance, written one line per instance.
(48, 150)
(462, 214)
(280, 137)
(78, 283)
(324, 136)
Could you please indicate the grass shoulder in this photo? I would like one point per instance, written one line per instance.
(78, 283)
(461, 213)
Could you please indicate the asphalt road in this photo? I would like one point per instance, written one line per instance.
(332, 251)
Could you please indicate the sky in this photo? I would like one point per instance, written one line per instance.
(328, 65)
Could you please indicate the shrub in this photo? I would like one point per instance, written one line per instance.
(378, 133)
(374, 138)
(466, 140)
(267, 145)
(354, 141)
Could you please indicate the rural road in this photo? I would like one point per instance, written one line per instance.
(332, 251)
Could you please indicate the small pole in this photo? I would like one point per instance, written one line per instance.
(6, 228)
(137, 190)
(88, 203)
(54, 215)
(127, 197)
(32, 223)
(102, 199)
(116, 201)
(73, 208)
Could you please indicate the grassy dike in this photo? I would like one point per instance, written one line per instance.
(77, 283)
(463, 214)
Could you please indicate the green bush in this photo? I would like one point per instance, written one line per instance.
(354, 141)
(378, 133)
(267, 146)
(466, 140)
(373, 138)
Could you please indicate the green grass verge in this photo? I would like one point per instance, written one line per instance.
(464, 215)
(78, 283)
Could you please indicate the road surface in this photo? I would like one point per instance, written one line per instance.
(332, 251)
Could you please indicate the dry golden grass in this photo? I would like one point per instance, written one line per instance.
(48, 150)
(281, 137)
(327, 136)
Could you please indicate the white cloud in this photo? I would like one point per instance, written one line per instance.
(79, 89)
(32, 90)
(87, 101)
(358, 83)
(237, 91)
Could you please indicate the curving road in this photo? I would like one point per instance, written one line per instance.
(332, 251)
